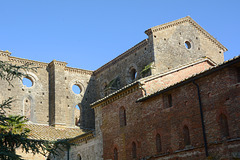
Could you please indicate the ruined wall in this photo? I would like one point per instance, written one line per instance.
(124, 69)
(50, 100)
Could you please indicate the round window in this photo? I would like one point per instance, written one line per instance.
(76, 89)
(27, 81)
(188, 45)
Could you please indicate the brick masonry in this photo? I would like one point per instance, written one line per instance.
(173, 52)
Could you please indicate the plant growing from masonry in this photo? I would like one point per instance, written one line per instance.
(13, 133)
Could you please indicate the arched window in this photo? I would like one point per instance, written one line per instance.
(115, 154)
(133, 74)
(134, 150)
(122, 117)
(224, 125)
(186, 136)
(158, 143)
(79, 157)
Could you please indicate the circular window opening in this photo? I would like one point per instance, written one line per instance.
(133, 74)
(187, 44)
(27, 82)
(76, 89)
(77, 107)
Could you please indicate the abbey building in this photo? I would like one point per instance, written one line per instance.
(171, 96)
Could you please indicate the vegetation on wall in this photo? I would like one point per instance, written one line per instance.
(146, 69)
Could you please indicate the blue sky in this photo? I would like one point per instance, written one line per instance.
(88, 33)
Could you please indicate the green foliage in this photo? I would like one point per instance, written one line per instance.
(8, 71)
(13, 133)
(146, 69)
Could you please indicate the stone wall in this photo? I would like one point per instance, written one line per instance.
(50, 100)
(124, 69)
(180, 42)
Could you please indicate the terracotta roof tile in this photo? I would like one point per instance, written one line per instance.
(50, 133)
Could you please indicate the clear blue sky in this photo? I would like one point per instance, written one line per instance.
(88, 33)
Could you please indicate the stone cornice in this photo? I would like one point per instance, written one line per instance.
(184, 20)
(80, 71)
(116, 95)
(5, 53)
(82, 138)
(24, 61)
(57, 63)
(177, 69)
(123, 55)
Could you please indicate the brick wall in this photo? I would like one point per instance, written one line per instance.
(220, 95)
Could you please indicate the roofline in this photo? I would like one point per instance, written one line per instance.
(123, 55)
(183, 20)
(85, 135)
(100, 101)
(180, 67)
(191, 79)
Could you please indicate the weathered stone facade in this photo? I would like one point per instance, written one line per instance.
(149, 73)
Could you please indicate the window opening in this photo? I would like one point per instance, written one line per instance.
(134, 150)
(122, 117)
(79, 157)
(27, 82)
(169, 100)
(188, 45)
(158, 143)
(133, 74)
(76, 89)
(238, 74)
(224, 125)
(77, 114)
(115, 154)
(186, 136)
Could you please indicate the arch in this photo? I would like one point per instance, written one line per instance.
(158, 143)
(115, 154)
(131, 73)
(79, 157)
(186, 136)
(77, 114)
(223, 122)
(134, 150)
(28, 108)
(122, 117)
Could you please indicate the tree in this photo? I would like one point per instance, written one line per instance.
(13, 133)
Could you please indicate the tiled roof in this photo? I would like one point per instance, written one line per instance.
(192, 78)
(50, 133)
(150, 78)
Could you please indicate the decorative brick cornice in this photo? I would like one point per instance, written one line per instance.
(24, 61)
(80, 71)
(5, 53)
(123, 55)
(184, 20)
